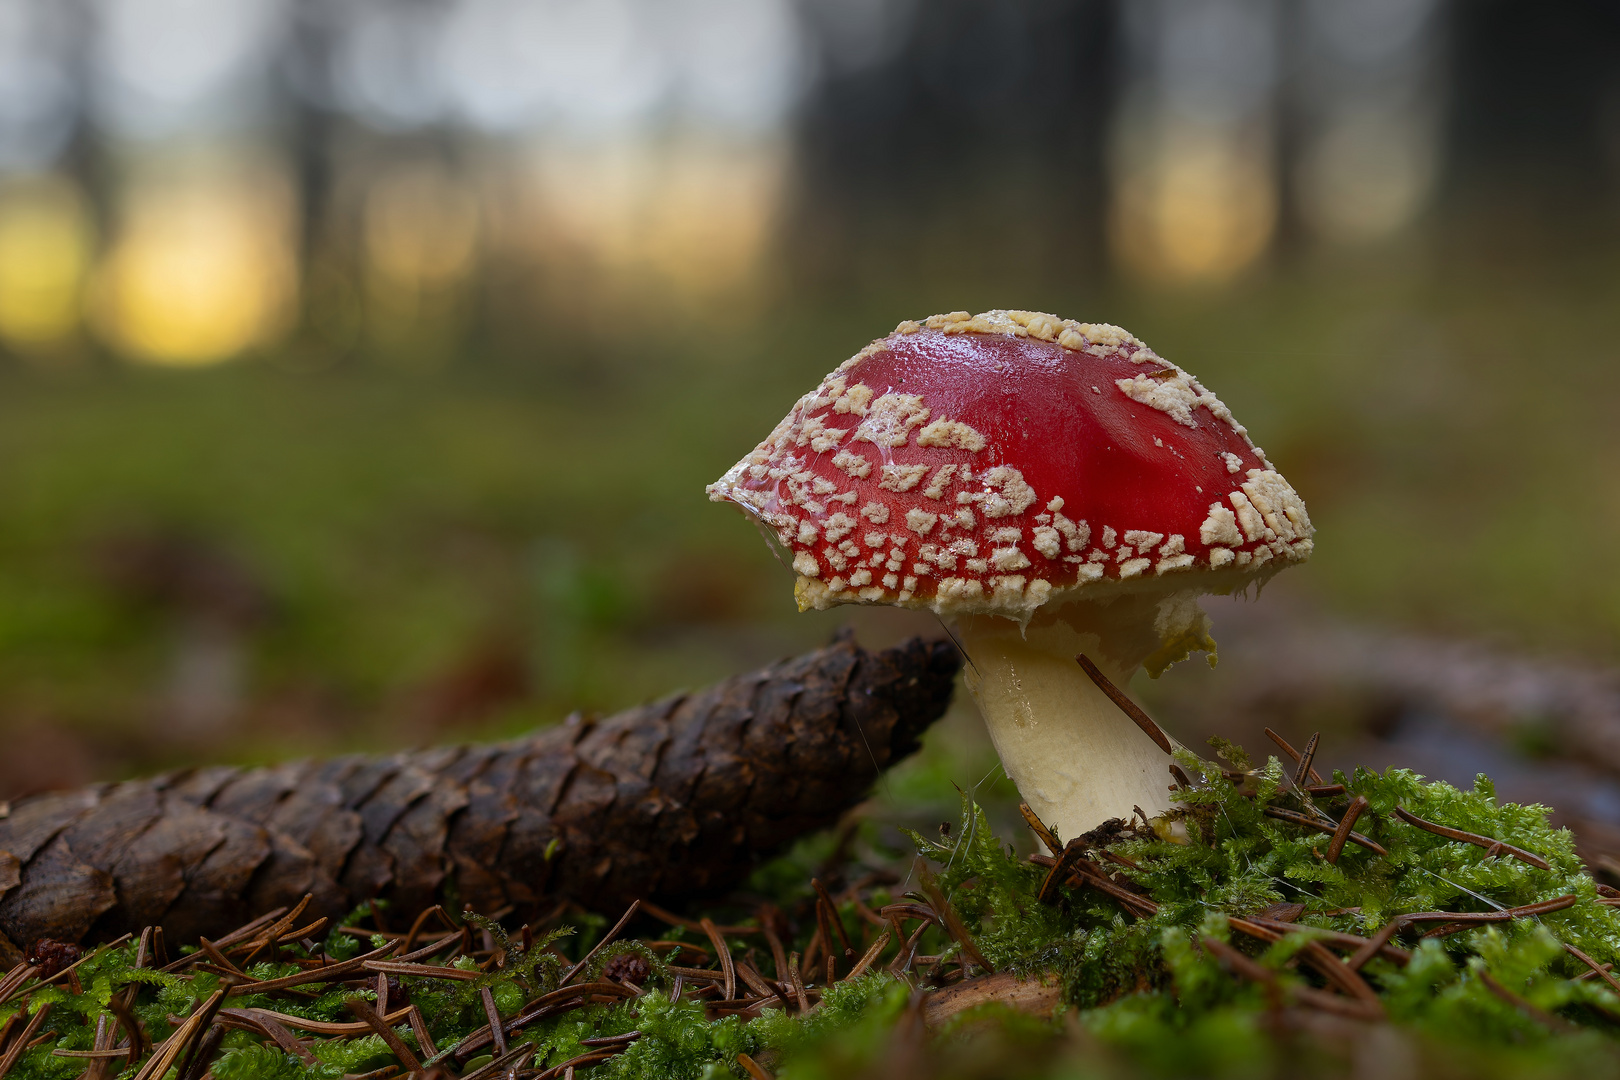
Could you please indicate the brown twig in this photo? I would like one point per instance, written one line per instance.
(1328, 826)
(1342, 940)
(812, 953)
(866, 913)
(833, 917)
(798, 983)
(1091, 876)
(952, 921)
(703, 975)
(753, 1068)
(205, 1024)
(679, 947)
(1317, 957)
(1039, 827)
(288, 937)
(14, 980)
(499, 1063)
(1376, 944)
(369, 1016)
(1492, 846)
(202, 1054)
(1600, 970)
(328, 973)
(272, 933)
(1306, 756)
(428, 950)
(1119, 860)
(314, 1027)
(1282, 744)
(635, 906)
(423, 971)
(223, 962)
(1238, 963)
(573, 1063)
(103, 1042)
(1357, 806)
(767, 918)
(751, 977)
(20, 1043)
(421, 921)
(384, 1073)
(612, 1040)
(1463, 921)
(723, 951)
(913, 910)
(1035, 994)
(1543, 907)
(908, 947)
(418, 1024)
(493, 1015)
(286, 1039)
(669, 918)
(247, 929)
(1541, 1016)
(871, 954)
(824, 935)
(1126, 705)
(132, 1027)
(1060, 871)
(556, 1001)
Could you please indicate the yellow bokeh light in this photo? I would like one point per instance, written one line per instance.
(420, 238)
(1193, 203)
(688, 212)
(44, 257)
(1366, 175)
(202, 268)
(420, 227)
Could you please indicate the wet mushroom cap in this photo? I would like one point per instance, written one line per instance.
(992, 463)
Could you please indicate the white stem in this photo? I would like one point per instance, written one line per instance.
(1076, 758)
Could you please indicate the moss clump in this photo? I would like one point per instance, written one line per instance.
(1236, 861)
(1148, 994)
(1147, 989)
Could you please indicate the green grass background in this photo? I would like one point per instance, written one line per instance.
(1447, 409)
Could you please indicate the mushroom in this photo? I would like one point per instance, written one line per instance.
(1054, 488)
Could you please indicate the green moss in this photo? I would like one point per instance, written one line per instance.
(1146, 997)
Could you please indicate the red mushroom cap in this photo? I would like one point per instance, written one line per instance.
(991, 463)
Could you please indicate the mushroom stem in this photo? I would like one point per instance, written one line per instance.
(1077, 760)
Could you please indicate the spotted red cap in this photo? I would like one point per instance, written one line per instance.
(991, 463)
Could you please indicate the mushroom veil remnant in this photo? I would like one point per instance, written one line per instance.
(1054, 489)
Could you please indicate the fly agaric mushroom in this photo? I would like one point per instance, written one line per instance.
(1056, 489)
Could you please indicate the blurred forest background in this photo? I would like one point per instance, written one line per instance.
(364, 360)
